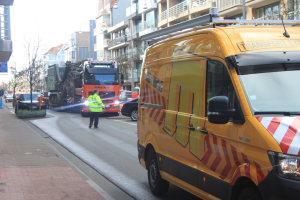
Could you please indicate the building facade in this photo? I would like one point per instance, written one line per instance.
(172, 11)
(118, 37)
(5, 34)
(56, 55)
(78, 47)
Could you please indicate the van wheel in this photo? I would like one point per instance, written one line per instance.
(157, 185)
(249, 194)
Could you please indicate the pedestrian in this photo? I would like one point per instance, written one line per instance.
(95, 106)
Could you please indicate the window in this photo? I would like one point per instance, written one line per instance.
(269, 12)
(218, 83)
(292, 10)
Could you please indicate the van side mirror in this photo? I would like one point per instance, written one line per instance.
(218, 111)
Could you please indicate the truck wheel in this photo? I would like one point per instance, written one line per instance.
(116, 114)
(134, 114)
(157, 185)
(83, 114)
(249, 194)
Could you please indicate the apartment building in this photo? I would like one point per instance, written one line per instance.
(129, 21)
(78, 47)
(103, 23)
(56, 55)
(5, 34)
(174, 11)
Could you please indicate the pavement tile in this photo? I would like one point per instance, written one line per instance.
(32, 170)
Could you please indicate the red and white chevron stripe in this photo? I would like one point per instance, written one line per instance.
(285, 130)
(71, 100)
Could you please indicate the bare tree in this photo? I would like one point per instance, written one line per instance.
(34, 50)
(14, 72)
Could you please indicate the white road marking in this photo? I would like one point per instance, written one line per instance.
(125, 122)
(12, 112)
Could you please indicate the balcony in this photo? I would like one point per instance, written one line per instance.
(163, 19)
(147, 27)
(117, 27)
(179, 11)
(294, 15)
(150, 6)
(201, 6)
(118, 43)
(229, 7)
(132, 12)
(271, 17)
(137, 53)
(5, 50)
(105, 43)
(6, 2)
(135, 33)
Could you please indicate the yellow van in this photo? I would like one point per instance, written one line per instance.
(219, 112)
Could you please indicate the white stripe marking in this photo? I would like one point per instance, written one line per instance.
(266, 121)
(295, 145)
(282, 128)
(125, 122)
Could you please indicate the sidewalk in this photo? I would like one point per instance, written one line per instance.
(29, 169)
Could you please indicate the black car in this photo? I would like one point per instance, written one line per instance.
(24, 102)
(130, 109)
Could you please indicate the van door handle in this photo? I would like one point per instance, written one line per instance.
(204, 131)
(191, 128)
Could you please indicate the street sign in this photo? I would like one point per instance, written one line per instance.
(3, 68)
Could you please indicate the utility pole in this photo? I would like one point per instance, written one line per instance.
(244, 9)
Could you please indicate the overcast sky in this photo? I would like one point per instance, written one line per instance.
(55, 20)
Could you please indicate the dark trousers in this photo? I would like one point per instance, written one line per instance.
(94, 116)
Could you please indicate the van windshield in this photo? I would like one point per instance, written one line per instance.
(272, 88)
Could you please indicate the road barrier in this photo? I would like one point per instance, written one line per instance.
(1, 103)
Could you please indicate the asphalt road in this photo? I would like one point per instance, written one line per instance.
(110, 150)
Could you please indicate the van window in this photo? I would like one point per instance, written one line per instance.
(271, 88)
(218, 83)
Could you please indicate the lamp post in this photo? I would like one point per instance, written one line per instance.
(132, 62)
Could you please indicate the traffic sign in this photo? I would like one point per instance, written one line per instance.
(3, 68)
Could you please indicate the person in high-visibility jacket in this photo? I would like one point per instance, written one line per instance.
(95, 106)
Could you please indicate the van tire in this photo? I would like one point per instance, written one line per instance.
(249, 193)
(157, 185)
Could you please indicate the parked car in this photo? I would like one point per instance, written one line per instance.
(9, 98)
(24, 101)
(130, 109)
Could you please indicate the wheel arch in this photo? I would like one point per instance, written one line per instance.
(148, 151)
(240, 184)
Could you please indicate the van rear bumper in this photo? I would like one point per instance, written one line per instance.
(277, 188)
